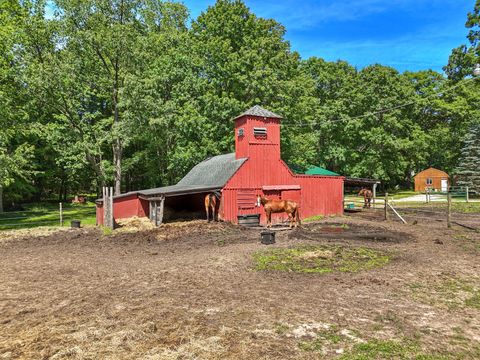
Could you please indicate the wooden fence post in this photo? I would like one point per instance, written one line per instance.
(162, 205)
(104, 197)
(61, 215)
(449, 210)
(386, 206)
(108, 207)
(466, 193)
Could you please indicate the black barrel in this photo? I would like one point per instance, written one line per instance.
(249, 220)
(75, 223)
(268, 237)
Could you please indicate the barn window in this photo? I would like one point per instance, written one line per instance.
(260, 132)
(240, 132)
(429, 181)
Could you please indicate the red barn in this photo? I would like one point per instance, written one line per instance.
(255, 168)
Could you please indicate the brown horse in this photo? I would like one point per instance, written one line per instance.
(280, 206)
(367, 197)
(210, 204)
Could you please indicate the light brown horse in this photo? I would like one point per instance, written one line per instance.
(280, 206)
(367, 197)
(210, 204)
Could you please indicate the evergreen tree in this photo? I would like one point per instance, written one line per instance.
(468, 170)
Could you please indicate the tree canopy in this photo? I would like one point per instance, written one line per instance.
(131, 93)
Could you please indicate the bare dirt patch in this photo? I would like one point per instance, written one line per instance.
(189, 291)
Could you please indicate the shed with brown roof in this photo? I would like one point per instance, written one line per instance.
(433, 179)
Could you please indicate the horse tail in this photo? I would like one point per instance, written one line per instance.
(297, 216)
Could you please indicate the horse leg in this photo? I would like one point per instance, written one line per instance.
(269, 219)
(291, 218)
(207, 210)
(213, 212)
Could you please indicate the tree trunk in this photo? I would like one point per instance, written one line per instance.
(1, 199)
(99, 171)
(117, 163)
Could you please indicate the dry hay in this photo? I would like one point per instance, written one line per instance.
(135, 223)
(8, 235)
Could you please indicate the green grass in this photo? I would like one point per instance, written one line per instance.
(313, 218)
(389, 349)
(402, 194)
(474, 300)
(320, 259)
(451, 292)
(47, 214)
(323, 339)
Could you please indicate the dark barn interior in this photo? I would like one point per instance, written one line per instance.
(185, 207)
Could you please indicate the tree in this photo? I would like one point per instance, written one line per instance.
(93, 49)
(463, 59)
(468, 170)
(15, 152)
(245, 60)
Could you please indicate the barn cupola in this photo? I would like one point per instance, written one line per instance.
(257, 134)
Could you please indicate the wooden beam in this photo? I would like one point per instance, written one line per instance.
(396, 213)
(160, 216)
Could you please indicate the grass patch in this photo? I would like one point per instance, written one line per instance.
(323, 340)
(47, 214)
(474, 301)
(281, 328)
(451, 292)
(313, 218)
(107, 231)
(320, 259)
(460, 206)
(389, 349)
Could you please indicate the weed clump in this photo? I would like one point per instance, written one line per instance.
(320, 259)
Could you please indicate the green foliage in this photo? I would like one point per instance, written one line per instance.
(468, 170)
(320, 259)
(128, 92)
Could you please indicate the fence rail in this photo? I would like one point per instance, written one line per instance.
(445, 211)
(47, 217)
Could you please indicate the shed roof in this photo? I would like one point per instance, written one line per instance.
(209, 175)
(317, 170)
(432, 170)
(257, 110)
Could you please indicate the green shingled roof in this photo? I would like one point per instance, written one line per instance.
(316, 170)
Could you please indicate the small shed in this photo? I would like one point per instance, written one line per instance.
(432, 179)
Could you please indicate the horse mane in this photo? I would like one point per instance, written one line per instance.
(263, 200)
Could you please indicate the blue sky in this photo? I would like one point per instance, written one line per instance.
(405, 34)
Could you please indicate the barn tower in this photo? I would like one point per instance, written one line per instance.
(257, 134)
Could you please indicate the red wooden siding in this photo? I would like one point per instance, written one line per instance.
(264, 173)
(125, 207)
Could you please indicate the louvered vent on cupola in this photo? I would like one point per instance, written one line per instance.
(260, 132)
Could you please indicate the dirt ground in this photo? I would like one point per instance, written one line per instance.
(190, 291)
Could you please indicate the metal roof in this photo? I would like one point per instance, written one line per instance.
(349, 181)
(209, 175)
(317, 170)
(257, 110)
(215, 171)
